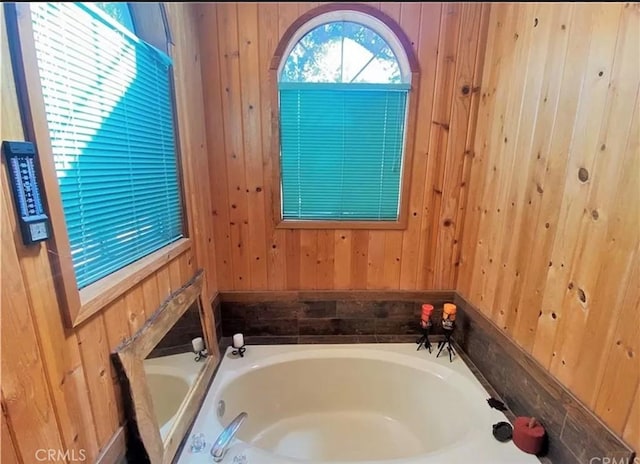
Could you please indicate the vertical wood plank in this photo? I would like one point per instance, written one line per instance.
(227, 27)
(24, 383)
(632, 429)
(326, 260)
(150, 295)
(191, 127)
(427, 46)
(94, 347)
(308, 258)
(252, 129)
(438, 139)
(163, 281)
(444, 256)
(574, 211)
(276, 238)
(175, 279)
(508, 280)
(8, 454)
(496, 48)
(359, 258)
(342, 261)
(621, 374)
(215, 129)
(135, 309)
(375, 259)
(292, 254)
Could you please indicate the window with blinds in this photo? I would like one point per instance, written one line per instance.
(108, 103)
(343, 105)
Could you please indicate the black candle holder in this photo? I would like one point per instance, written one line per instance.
(424, 339)
(447, 328)
(201, 355)
(239, 351)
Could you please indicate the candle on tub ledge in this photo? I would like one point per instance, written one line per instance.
(198, 344)
(238, 345)
(238, 340)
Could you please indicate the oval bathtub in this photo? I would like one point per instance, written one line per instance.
(350, 404)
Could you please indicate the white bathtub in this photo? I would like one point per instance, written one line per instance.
(365, 404)
(170, 378)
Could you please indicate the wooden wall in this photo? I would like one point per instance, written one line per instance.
(58, 387)
(551, 243)
(238, 41)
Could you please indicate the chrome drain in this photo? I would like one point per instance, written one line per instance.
(221, 409)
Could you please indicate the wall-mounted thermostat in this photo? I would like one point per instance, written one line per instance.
(21, 162)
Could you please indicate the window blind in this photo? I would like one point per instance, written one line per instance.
(341, 150)
(108, 106)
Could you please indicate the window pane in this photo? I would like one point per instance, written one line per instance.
(109, 112)
(341, 51)
(118, 11)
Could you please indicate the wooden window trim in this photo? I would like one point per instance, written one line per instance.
(276, 198)
(76, 305)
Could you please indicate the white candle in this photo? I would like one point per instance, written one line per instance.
(198, 344)
(238, 340)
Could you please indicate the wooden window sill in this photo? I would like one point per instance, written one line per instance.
(343, 225)
(96, 296)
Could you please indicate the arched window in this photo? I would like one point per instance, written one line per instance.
(343, 85)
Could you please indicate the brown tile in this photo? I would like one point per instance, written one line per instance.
(337, 339)
(354, 309)
(232, 326)
(336, 326)
(318, 309)
(262, 311)
(271, 340)
(379, 309)
(397, 338)
(397, 327)
(260, 328)
(329, 339)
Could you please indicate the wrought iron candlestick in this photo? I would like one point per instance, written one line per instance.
(448, 325)
(425, 327)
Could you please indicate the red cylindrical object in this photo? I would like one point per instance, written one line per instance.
(528, 434)
(427, 309)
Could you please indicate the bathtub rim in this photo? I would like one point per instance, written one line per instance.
(232, 367)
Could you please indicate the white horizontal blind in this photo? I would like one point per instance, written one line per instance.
(109, 111)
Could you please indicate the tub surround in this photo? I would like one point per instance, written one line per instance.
(328, 317)
(575, 434)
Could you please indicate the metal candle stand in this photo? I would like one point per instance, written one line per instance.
(447, 327)
(239, 351)
(424, 339)
(200, 355)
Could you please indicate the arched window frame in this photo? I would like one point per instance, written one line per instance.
(393, 34)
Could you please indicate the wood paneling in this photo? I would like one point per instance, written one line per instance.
(59, 389)
(551, 240)
(238, 42)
